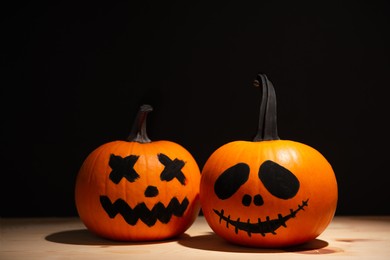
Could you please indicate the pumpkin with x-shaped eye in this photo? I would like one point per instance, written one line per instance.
(138, 190)
(270, 192)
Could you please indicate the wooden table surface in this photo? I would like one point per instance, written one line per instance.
(358, 237)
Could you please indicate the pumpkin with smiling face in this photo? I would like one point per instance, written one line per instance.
(138, 190)
(269, 192)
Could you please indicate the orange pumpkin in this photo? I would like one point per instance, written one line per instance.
(269, 192)
(138, 190)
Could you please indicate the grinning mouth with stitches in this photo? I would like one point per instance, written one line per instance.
(260, 227)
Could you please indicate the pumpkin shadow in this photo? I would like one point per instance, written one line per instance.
(85, 237)
(212, 242)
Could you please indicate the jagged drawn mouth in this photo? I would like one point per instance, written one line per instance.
(260, 227)
(141, 211)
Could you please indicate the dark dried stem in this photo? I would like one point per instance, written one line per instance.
(267, 119)
(138, 131)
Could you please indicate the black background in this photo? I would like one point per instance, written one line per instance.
(74, 75)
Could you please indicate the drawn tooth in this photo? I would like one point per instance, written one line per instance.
(271, 225)
(236, 227)
(220, 216)
(227, 222)
(282, 222)
(249, 232)
(292, 213)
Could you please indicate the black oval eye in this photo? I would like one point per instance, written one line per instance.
(231, 180)
(278, 180)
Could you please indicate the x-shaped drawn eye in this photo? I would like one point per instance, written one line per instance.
(172, 169)
(123, 168)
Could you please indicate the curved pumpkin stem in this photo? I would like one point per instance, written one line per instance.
(268, 129)
(138, 132)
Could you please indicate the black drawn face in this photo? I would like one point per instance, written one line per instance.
(122, 169)
(278, 181)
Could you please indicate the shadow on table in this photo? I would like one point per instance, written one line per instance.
(85, 237)
(212, 242)
(209, 241)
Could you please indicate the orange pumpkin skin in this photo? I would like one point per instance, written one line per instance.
(318, 189)
(147, 207)
(269, 192)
